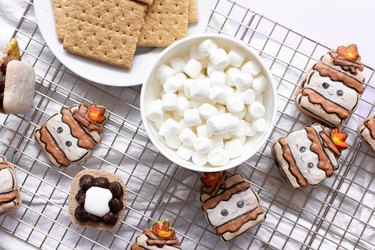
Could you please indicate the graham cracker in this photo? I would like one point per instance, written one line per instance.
(61, 11)
(165, 23)
(105, 31)
(73, 202)
(193, 11)
(148, 2)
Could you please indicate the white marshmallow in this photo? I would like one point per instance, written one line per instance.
(177, 64)
(202, 144)
(230, 75)
(219, 59)
(236, 57)
(218, 157)
(97, 200)
(248, 96)
(169, 128)
(192, 118)
(164, 72)
(210, 70)
(257, 110)
(218, 94)
(200, 88)
(230, 91)
(259, 84)
(234, 148)
(173, 142)
(240, 131)
(165, 118)
(222, 124)
(187, 137)
(217, 78)
(170, 102)
(252, 68)
(241, 115)
(217, 141)
(192, 68)
(259, 125)
(199, 158)
(173, 84)
(206, 48)
(235, 104)
(194, 53)
(249, 131)
(242, 139)
(187, 86)
(202, 131)
(243, 81)
(200, 76)
(183, 104)
(184, 152)
(259, 98)
(220, 109)
(155, 111)
(207, 110)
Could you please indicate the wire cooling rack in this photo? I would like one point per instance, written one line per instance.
(339, 213)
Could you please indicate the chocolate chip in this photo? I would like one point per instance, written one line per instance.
(80, 197)
(110, 218)
(93, 218)
(116, 189)
(86, 182)
(80, 214)
(115, 205)
(102, 182)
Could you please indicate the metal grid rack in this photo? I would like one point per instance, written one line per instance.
(339, 213)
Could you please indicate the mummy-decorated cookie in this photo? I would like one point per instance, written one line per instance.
(71, 135)
(231, 205)
(17, 81)
(97, 199)
(367, 131)
(309, 155)
(161, 236)
(331, 89)
(9, 191)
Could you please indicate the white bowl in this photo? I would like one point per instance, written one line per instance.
(152, 88)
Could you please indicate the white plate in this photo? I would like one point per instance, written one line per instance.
(99, 72)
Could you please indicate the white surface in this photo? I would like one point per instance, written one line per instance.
(100, 72)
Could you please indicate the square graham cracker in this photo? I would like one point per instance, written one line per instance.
(193, 11)
(165, 23)
(105, 31)
(61, 11)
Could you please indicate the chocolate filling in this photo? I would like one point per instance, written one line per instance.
(115, 204)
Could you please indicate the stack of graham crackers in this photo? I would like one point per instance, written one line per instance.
(110, 30)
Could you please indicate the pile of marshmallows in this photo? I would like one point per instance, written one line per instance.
(210, 103)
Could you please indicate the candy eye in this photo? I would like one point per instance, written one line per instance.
(302, 149)
(240, 204)
(310, 165)
(68, 143)
(59, 130)
(339, 92)
(325, 85)
(224, 212)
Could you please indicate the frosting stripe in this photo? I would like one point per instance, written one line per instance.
(87, 123)
(173, 242)
(52, 147)
(137, 247)
(8, 197)
(327, 140)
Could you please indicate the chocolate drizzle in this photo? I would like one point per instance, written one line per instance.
(347, 65)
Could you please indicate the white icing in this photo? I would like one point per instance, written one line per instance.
(141, 241)
(250, 202)
(96, 201)
(7, 180)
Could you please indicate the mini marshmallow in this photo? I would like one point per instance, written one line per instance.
(260, 98)
(248, 96)
(230, 75)
(220, 109)
(252, 68)
(202, 131)
(164, 72)
(218, 94)
(235, 104)
(155, 111)
(236, 57)
(222, 124)
(177, 64)
(187, 137)
(249, 131)
(199, 158)
(217, 78)
(234, 148)
(192, 118)
(187, 86)
(219, 59)
(194, 53)
(202, 144)
(259, 84)
(200, 88)
(240, 131)
(243, 81)
(206, 48)
(173, 84)
(242, 139)
(200, 76)
(161, 123)
(241, 115)
(207, 110)
(217, 141)
(210, 69)
(257, 110)
(173, 142)
(192, 68)
(218, 157)
(169, 128)
(184, 152)
(183, 104)
(170, 102)
(259, 125)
